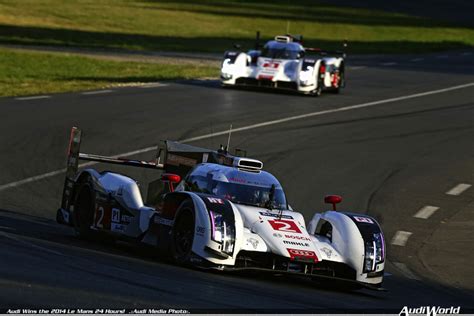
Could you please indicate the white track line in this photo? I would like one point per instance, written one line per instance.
(460, 188)
(404, 269)
(37, 97)
(400, 238)
(416, 59)
(389, 64)
(467, 54)
(97, 92)
(253, 126)
(426, 211)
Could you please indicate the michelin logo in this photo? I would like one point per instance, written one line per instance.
(429, 311)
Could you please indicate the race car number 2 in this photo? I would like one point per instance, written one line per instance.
(284, 226)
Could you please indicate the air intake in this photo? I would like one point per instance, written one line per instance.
(247, 163)
(283, 39)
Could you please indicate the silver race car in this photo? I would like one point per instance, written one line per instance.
(284, 63)
(215, 210)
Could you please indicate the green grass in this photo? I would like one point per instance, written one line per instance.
(38, 73)
(214, 25)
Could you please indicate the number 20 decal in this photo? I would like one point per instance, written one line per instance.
(284, 226)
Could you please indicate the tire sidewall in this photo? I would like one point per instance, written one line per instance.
(186, 209)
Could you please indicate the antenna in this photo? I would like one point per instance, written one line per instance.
(228, 139)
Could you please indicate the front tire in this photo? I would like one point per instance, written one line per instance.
(183, 233)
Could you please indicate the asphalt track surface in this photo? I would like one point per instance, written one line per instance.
(387, 159)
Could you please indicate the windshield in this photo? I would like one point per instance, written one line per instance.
(282, 51)
(239, 193)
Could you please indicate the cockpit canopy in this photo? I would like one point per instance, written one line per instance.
(280, 50)
(237, 185)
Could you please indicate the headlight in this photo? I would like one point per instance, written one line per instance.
(306, 76)
(374, 252)
(226, 76)
(222, 232)
(227, 69)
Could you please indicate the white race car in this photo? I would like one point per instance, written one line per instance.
(285, 64)
(219, 211)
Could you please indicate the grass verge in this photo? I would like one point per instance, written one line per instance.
(27, 73)
(214, 25)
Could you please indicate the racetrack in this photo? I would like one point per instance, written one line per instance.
(397, 151)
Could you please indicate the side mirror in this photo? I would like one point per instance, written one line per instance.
(237, 46)
(333, 199)
(171, 178)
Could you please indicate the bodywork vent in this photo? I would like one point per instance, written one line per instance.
(283, 39)
(247, 163)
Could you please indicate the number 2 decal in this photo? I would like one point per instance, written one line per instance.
(284, 226)
(99, 216)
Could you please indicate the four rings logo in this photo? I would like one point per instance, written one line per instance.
(306, 255)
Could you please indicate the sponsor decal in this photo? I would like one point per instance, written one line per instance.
(296, 243)
(429, 310)
(253, 242)
(275, 215)
(163, 221)
(362, 219)
(327, 252)
(271, 65)
(117, 227)
(265, 77)
(238, 180)
(296, 254)
(215, 200)
(297, 237)
(115, 215)
(200, 230)
(126, 219)
(284, 226)
(277, 235)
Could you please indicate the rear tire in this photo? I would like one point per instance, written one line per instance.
(183, 233)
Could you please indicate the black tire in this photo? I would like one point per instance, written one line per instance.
(317, 92)
(183, 233)
(84, 211)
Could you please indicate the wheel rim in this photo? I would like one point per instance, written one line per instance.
(184, 234)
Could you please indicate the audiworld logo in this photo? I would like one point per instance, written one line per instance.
(429, 311)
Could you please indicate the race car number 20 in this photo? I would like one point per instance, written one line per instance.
(284, 226)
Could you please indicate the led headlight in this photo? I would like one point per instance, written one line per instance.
(306, 76)
(227, 69)
(226, 76)
(222, 232)
(374, 252)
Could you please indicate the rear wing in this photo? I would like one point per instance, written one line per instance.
(171, 157)
(323, 52)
